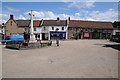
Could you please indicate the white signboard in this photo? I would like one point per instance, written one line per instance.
(86, 34)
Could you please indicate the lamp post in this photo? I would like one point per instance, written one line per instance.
(32, 36)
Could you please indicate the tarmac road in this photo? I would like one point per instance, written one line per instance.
(72, 59)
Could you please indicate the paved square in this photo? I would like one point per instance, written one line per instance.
(72, 59)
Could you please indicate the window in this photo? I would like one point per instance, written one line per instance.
(52, 28)
(62, 28)
(11, 23)
(34, 29)
(25, 29)
(38, 35)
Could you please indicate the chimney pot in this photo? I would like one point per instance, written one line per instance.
(2, 23)
(11, 16)
(69, 18)
(58, 19)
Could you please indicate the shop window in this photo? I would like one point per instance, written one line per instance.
(117, 33)
(44, 28)
(34, 29)
(63, 35)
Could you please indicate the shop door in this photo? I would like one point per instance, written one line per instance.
(95, 35)
(43, 36)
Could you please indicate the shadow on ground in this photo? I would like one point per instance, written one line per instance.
(114, 46)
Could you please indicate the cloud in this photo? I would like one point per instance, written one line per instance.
(12, 9)
(85, 4)
(3, 15)
(64, 9)
(3, 18)
(43, 14)
(22, 17)
(47, 15)
(109, 15)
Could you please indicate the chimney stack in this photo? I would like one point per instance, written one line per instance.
(58, 18)
(69, 18)
(2, 23)
(11, 16)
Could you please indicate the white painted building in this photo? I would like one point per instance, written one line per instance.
(54, 29)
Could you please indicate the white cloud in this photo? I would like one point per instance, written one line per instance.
(109, 15)
(3, 18)
(22, 17)
(43, 14)
(85, 4)
(3, 15)
(77, 14)
(88, 0)
(12, 9)
(78, 0)
(64, 8)
(50, 15)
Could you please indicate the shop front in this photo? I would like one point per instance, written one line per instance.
(86, 35)
(95, 35)
(57, 35)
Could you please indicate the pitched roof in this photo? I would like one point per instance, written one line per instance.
(54, 23)
(26, 23)
(23, 23)
(36, 23)
(90, 24)
(72, 23)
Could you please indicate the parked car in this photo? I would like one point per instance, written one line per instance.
(115, 38)
(14, 38)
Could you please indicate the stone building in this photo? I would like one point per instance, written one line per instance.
(63, 29)
(79, 29)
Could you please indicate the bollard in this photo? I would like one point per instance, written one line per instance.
(57, 42)
(50, 43)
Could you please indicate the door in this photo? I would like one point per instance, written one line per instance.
(95, 35)
(43, 36)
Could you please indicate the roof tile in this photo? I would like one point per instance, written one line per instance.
(90, 24)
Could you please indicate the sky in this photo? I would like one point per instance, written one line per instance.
(94, 11)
